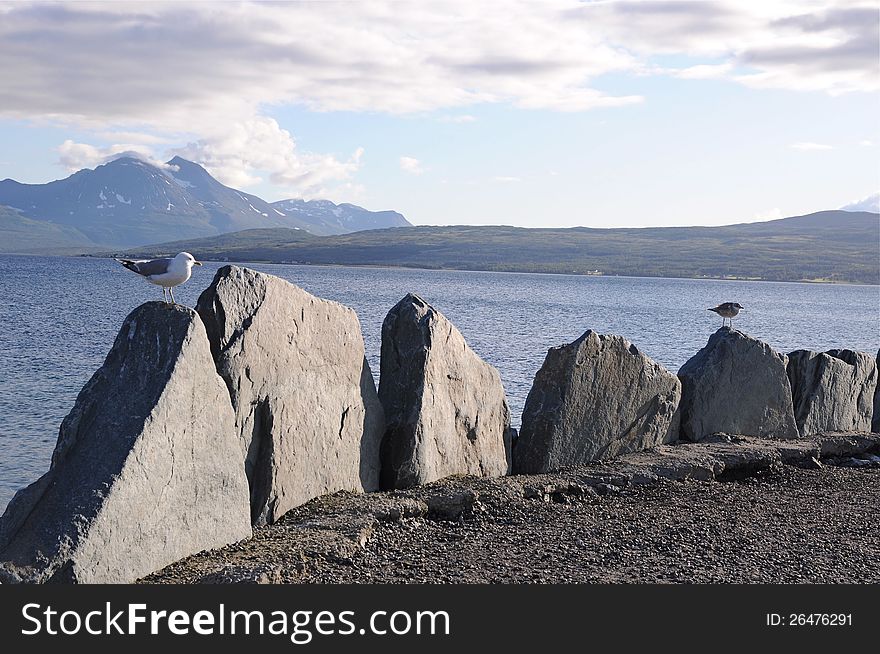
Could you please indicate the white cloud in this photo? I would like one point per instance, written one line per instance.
(866, 143)
(869, 203)
(229, 63)
(237, 155)
(76, 156)
(705, 71)
(809, 146)
(798, 46)
(232, 60)
(133, 137)
(411, 165)
(503, 179)
(458, 118)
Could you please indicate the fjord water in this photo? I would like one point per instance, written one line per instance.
(60, 316)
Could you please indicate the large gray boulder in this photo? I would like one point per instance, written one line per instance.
(445, 407)
(146, 470)
(736, 385)
(595, 399)
(306, 409)
(875, 421)
(833, 390)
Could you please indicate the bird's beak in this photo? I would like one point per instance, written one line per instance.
(197, 263)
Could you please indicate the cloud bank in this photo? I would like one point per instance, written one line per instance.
(208, 73)
(235, 154)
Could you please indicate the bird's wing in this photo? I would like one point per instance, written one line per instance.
(147, 268)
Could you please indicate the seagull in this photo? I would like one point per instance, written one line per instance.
(727, 311)
(166, 273)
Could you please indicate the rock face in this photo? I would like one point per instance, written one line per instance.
(737, 385)
(594, 399)
(306, 409)
(445, 407)
(875, 422)
(146, 469)
(832, 391)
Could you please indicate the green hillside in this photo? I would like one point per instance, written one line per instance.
(826, 246)
(24, 235)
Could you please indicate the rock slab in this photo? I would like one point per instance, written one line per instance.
(833, 390)
(593, 399)
(306, 409)
(146, 469)
(736, 384)
(445, 407)
(875, 421)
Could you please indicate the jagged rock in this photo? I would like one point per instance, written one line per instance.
(563, 493)
(445, 407)
(738, 385)
(864, 461)
(146, 470)
(392, 508)
(454, 505)
(875, 421)
(852, 444)
(595, 399)
(833, 390)
(306, 408)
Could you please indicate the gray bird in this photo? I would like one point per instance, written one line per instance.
(727, 311)
(166, 273)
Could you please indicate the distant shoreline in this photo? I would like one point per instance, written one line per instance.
(500, 272)
(85, 255)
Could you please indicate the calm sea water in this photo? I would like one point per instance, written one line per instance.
(60, 316)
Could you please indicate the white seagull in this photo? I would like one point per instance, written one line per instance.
(166, 273)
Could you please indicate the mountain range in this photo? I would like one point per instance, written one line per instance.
(839, 246)
(129, 202)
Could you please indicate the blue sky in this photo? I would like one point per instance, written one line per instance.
(532, 114)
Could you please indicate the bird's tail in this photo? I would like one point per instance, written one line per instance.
(128, 263)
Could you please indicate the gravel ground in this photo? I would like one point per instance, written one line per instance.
(783, 524)
(786, 526)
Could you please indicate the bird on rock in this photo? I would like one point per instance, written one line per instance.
(167, 273)
(727, 311)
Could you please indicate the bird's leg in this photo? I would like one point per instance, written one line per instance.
(165, 295)
(171, 290)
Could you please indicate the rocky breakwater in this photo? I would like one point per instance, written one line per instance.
(146, 469)
(445, 407)
(833, 390)
(307, 415)
(594, 399)
(200, 424)
(736, 384)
